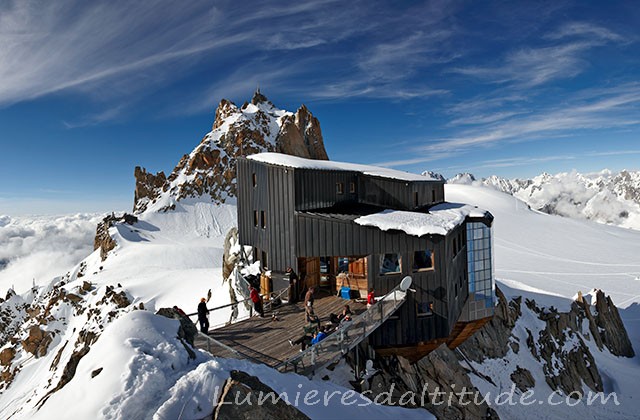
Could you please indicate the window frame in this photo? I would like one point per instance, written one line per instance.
(390, 273)
(433, 262)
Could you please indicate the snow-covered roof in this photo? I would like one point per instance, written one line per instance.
(440, 220)
(298, 162)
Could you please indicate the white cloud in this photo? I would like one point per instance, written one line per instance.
(42, 248)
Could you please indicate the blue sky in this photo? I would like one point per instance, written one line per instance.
(89, 90)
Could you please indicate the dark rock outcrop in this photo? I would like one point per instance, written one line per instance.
(250, 391)
(612, 330)
(523, 379)
(434, 380)
(187, 331)
(229, 259)
(7, 355)
(103, 240)
(37, 342)
(148, 187)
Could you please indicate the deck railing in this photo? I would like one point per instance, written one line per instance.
(346, 337)
(235, 316)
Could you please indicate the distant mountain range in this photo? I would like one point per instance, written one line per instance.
(604, 197)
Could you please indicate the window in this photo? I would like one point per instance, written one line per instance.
(340, 187)
(263, 219)
(425, 309)
(423, 260)
(254, 179)
(255, 218)
(415, 199)
(433, 196)
(352, 187)
(390, 264)
(264, 260)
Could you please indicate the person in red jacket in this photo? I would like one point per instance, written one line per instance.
(371, 297)
(257, 301)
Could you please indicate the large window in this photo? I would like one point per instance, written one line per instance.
(390, 264)
(423, 260)
(479, 260)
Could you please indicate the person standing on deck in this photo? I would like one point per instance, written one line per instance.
(257, 301)
(203, 316)
(293, 286)
(371, 297)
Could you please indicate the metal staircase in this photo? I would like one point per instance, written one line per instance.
(346, 337)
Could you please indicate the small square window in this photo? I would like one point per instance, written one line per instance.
(340, 187)
(390, 264)
(423, 260)
(425, 309)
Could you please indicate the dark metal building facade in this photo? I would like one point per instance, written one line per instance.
(290, 215)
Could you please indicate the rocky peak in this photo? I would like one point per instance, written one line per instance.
(258, 98)
(208, 172)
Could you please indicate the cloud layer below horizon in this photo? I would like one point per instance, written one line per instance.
(42, 248)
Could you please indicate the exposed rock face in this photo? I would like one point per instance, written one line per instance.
(37, 342)
(248, 389)
(560, 346)
(187, 330)
(300, 135)
(611, 328)
(148, 186)
(103, 240)
(438, 372)
(211, 168)
(539, 336)
(229, 258)
(7, 355)
(523, 379)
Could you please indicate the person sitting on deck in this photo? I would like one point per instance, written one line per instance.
(305, 340)
(257, 301)
(335, 319)
(371, 297)
(321, 335)
(203, 316)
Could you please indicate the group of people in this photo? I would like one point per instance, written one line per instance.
(314, 332)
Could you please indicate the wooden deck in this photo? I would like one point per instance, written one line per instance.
(265, 341)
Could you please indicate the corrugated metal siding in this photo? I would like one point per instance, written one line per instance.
(290, 234)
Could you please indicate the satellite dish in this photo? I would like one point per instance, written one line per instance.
(405, 284)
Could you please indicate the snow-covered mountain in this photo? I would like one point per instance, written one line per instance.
(604, 197)
(209, 170)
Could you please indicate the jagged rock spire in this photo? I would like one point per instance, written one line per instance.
(258, 97)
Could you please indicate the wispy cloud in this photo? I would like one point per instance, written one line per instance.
(528, 67)
(591, 109)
